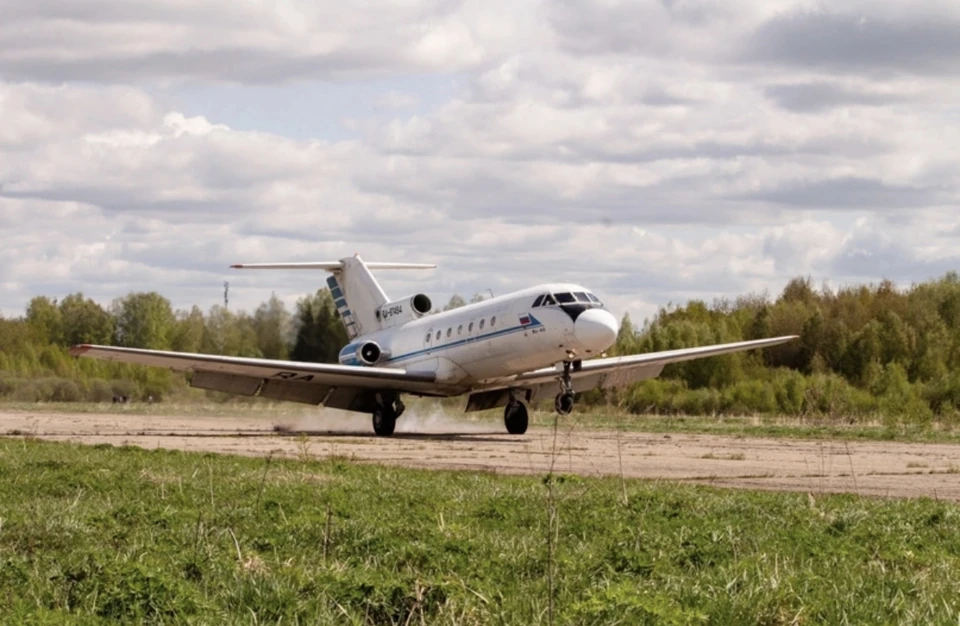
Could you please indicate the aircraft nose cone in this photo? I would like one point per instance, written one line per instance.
(596, 329)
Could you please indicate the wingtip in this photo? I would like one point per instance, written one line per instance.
(236, 266)
(80, 349)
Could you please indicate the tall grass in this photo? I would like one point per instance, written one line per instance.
(107, 535)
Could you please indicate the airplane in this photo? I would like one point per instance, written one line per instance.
(509, 351)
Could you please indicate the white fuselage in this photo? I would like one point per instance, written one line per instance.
(496, 338)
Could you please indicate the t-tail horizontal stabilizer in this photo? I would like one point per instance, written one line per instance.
(355, 291)
(331, 266)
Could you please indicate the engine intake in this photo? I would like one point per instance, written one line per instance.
(370, 353)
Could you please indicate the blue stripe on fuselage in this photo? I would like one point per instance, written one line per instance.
(460, 342)
(352, 347)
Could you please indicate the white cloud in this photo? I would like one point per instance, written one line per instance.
(654, 151)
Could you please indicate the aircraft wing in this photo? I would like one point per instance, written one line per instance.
(336, 386)
(607, 373)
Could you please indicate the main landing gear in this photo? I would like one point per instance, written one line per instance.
(515, 417)
(385, 416)
(563, 403)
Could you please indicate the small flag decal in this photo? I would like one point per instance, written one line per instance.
(524, 320)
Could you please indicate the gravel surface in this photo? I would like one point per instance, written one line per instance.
(439, 442)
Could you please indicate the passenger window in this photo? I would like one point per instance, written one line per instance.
(581, 297)
(470, 328)
(537, 302)
(449, 332)
(493, 320)
(548, 300)
(460, 329)
(565, 298)
(438, 335)
(430, 334)
(481, 324)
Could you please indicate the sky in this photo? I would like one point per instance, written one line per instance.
(655, 151)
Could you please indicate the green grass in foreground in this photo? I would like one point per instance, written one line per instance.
(101, 534)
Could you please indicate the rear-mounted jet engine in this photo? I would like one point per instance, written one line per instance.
(402, 311)
(370, 353)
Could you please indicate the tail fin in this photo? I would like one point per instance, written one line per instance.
(355, 291)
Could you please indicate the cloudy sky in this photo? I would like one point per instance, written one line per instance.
(656, 151)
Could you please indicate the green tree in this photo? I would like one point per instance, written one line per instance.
(45, 320)
(188, 330)
(17, 336)
(230, 334)
(455, 303)
(863, 352)
(811, 339)
(799, 291)
(626, 337)
(84, 321)
(144, 320)
(273, 326)
(319, 333)
(897, 339)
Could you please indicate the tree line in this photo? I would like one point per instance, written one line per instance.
(864, 351)
(35, 364)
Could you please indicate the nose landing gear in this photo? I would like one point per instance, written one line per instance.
(563, 403)
(385, 416)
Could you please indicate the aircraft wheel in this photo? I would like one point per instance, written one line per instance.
(515, 417)
(384, 422)
(563, 403)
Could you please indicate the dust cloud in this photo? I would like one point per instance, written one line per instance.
(436, 420)
(419, 419)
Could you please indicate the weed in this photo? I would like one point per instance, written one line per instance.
(736, 456)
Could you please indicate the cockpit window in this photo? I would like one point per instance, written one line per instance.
(581, 296)
(593, 298)
(548, 300)
(565, 298)
(537, 302)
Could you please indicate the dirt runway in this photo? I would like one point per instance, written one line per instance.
(866, 468)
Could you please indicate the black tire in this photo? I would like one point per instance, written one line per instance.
(384, 422)
(515, 418)
(564, 403)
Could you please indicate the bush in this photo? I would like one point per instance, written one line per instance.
(8, 385)
(99, 391)
(749, 396)
(789, 389)
(831, 395)
(65, 391)
(652, 396)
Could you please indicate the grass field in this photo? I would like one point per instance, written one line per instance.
(102, 534)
